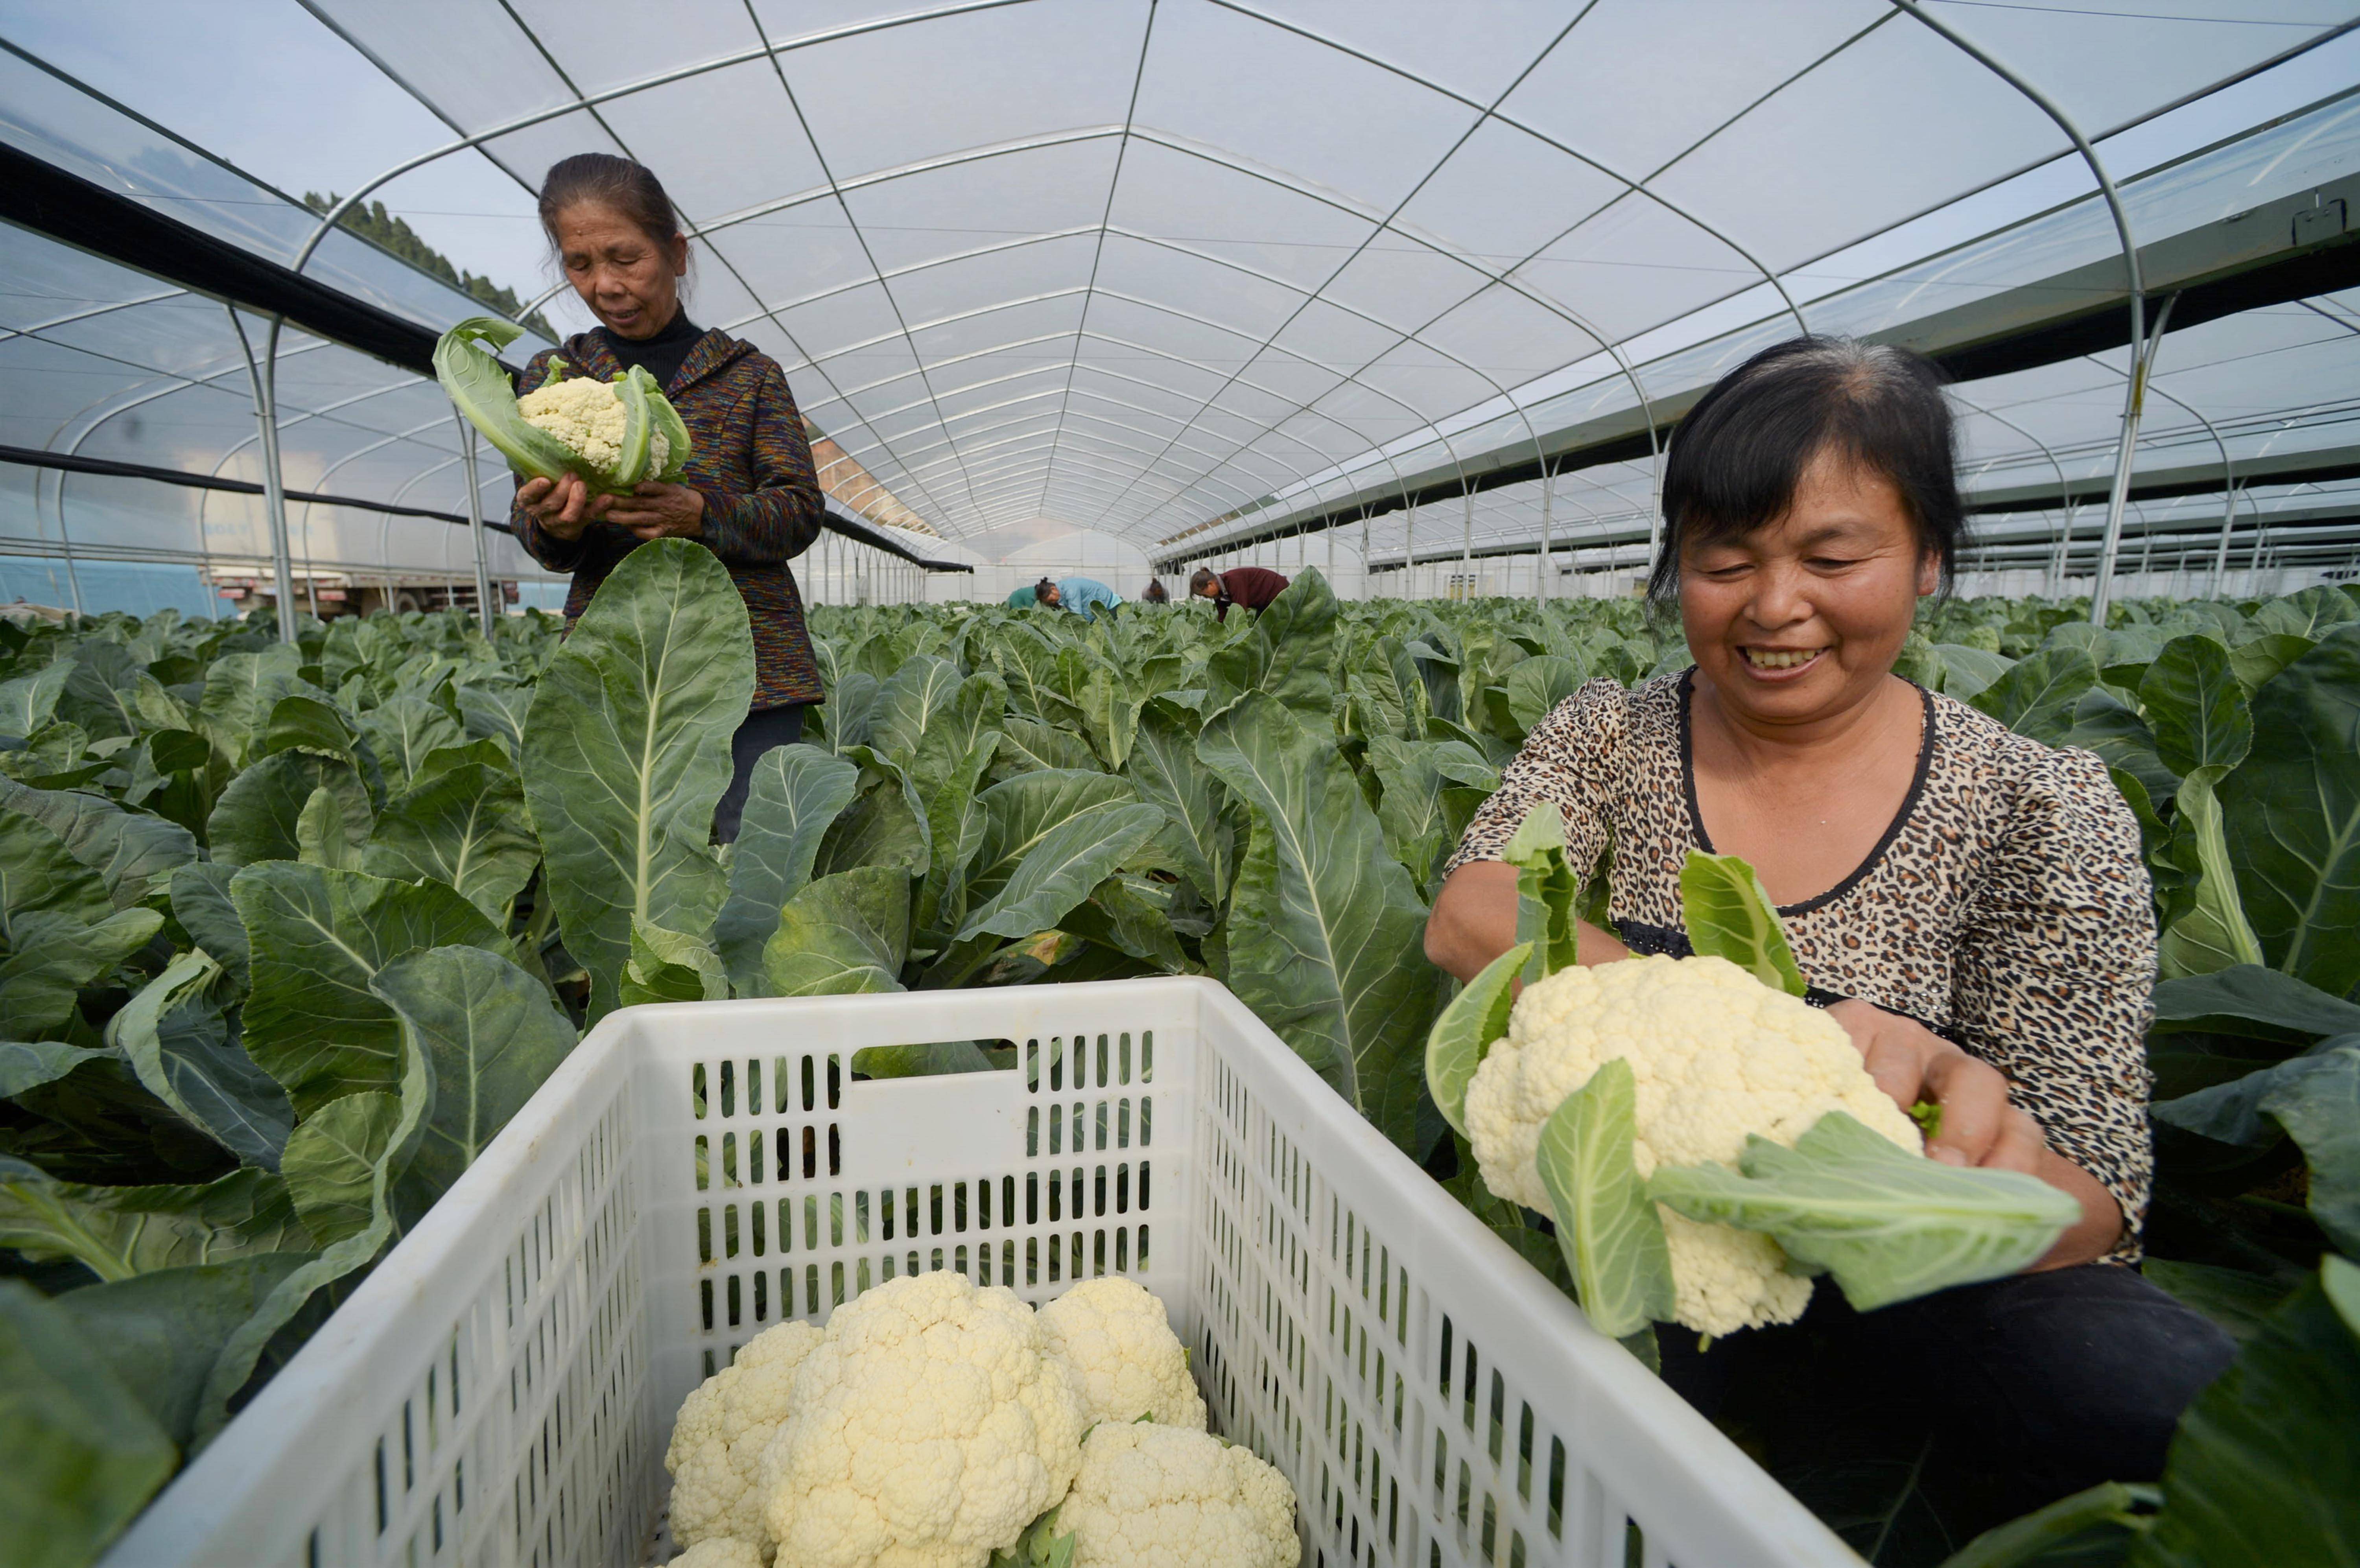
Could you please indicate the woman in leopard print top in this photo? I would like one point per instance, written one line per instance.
(1969, 904)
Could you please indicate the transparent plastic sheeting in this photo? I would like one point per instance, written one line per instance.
(1142, 267)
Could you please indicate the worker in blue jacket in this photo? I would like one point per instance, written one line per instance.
(1083, 595)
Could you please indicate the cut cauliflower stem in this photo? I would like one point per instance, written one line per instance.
(589, 416)
(721, 1551)
(927, 1429)
(715, 1457)
(1113, 1336)
(1717, 1055)
(1164, 1497)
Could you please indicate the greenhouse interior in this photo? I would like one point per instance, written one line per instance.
(375, 820)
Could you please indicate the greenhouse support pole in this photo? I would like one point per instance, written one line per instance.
(1540, 573)
(1467, 549)
(264, 378)
(2118, 497)
(2221, 557)
(475, 522)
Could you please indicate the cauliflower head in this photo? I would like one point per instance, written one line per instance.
(1165, 1497)
(715, 1457)
(1716, 1055)
(1113, 1336)
(589, 416)
(720, 1552)
(928, 1429)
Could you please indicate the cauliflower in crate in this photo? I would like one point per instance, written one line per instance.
(613, 434)
(716, 1456)
(1124, 1356)
(1164, 1497)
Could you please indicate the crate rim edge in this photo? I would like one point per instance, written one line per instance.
(207, 1493)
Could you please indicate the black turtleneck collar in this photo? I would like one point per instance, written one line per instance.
(661, 354)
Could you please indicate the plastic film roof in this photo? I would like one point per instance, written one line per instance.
(1181, 270)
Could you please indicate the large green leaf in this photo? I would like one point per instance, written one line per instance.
(134, 854)
(2320, 1110)
(1612, 1237)
(1537, 685)
(1058, 870)
(2246, 1000)
(2214, 933)
(178, 1041)
(465, 825)
(841, 934)
(1164, 767)
(2291, 811)
(29, 702)
(1430, 791)
(1549, 891)
(116, 1232)
(403, 731)
(490, 1035)
(797, 791)
(201, 902)
(331, 1162)
(627, 753)
(79, 1455)
(241, 689)
(480, 389)
(1020, 813)
(1028, 745)
(918, 696)
(1286, 655)
(671, 966)
(1967, 672)
(2036, 695)
(259, 817)
(318, 937)
(56, 955)
(29, 1064)
(2195, 706)
(1890, 1225)
(1326, 926)
(2233, 1111)
(2266, 1468)
(243, 1349)
(1729, 915)
(39, 874)
(160, 1332)
(1463, 1035)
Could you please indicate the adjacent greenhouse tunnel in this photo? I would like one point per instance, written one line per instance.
(1070, 287)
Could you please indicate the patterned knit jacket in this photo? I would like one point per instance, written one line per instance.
(762, 505)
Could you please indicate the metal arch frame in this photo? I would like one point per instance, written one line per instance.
(584, 102)
(589, 101)
(2064, 485)
(2143, 354)
(2228, 468)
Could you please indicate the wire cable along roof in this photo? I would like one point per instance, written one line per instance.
(1196, 277)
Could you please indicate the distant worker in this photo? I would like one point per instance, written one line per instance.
(1155, 594)
(1248, 587)
(1041, 594)
(1083, 595)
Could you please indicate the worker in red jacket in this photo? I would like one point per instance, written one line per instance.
(1249, 587)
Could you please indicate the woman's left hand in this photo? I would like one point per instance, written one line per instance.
(1912, 1064)
(654, 511)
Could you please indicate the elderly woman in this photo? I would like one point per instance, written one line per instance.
(1969, 904)
(748, 494)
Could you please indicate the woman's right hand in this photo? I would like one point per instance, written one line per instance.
(562, 508)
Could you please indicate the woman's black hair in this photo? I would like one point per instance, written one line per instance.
(1736, 458)
(630, 189)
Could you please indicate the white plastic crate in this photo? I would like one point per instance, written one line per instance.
(501, 1388)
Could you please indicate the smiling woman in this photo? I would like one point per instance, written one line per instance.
(1969, 904)
(748, 492)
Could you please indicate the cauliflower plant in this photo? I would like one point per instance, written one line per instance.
(1114, 1337)
(927, 1429)
(720, 1552)
(588, 416)
(1717, 1055)
(1164, 1497)
(715, 1457)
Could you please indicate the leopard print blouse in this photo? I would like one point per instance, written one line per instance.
(2006, 907)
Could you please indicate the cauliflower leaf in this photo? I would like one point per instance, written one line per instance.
(1612, 1240)
(1888, 1223)
(1475, 1018)
(1728, 915)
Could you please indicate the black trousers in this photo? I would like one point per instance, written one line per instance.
(2019, 1391)
(763, 728)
